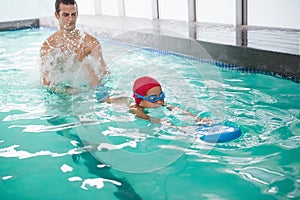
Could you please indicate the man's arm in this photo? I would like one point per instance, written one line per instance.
(43, 56)
(96, 52)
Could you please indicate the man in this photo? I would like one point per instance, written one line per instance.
(69, 53)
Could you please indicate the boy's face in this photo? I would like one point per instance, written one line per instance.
(67, 17)
(153, 91)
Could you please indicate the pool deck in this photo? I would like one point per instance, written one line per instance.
(265, 38)
(263, 49)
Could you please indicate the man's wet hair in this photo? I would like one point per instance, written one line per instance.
(66, 2)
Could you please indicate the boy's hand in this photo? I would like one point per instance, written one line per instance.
(203, 121)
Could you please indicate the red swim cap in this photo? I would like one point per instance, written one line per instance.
(142, 85)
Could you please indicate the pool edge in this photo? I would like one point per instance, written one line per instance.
(19, 24)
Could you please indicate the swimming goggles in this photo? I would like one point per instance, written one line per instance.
(152, 98)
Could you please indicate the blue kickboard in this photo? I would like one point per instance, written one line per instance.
(217, 133)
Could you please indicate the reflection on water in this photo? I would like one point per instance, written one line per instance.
(75, 146)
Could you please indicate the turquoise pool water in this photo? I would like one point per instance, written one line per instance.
(72, 147)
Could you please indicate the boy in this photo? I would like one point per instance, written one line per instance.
(147, 93)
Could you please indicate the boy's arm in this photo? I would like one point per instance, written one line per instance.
(198, 119)
(139, 112)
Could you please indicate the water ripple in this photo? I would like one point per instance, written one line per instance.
(11, 151)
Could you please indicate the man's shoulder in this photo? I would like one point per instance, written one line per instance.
(91, 38)
(52, 37)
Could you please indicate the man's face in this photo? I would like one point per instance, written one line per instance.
(67, 17)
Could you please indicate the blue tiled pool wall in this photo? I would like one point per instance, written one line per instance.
(223, 65)
(226, 66)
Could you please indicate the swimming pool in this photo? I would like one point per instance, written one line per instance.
(41, 136)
